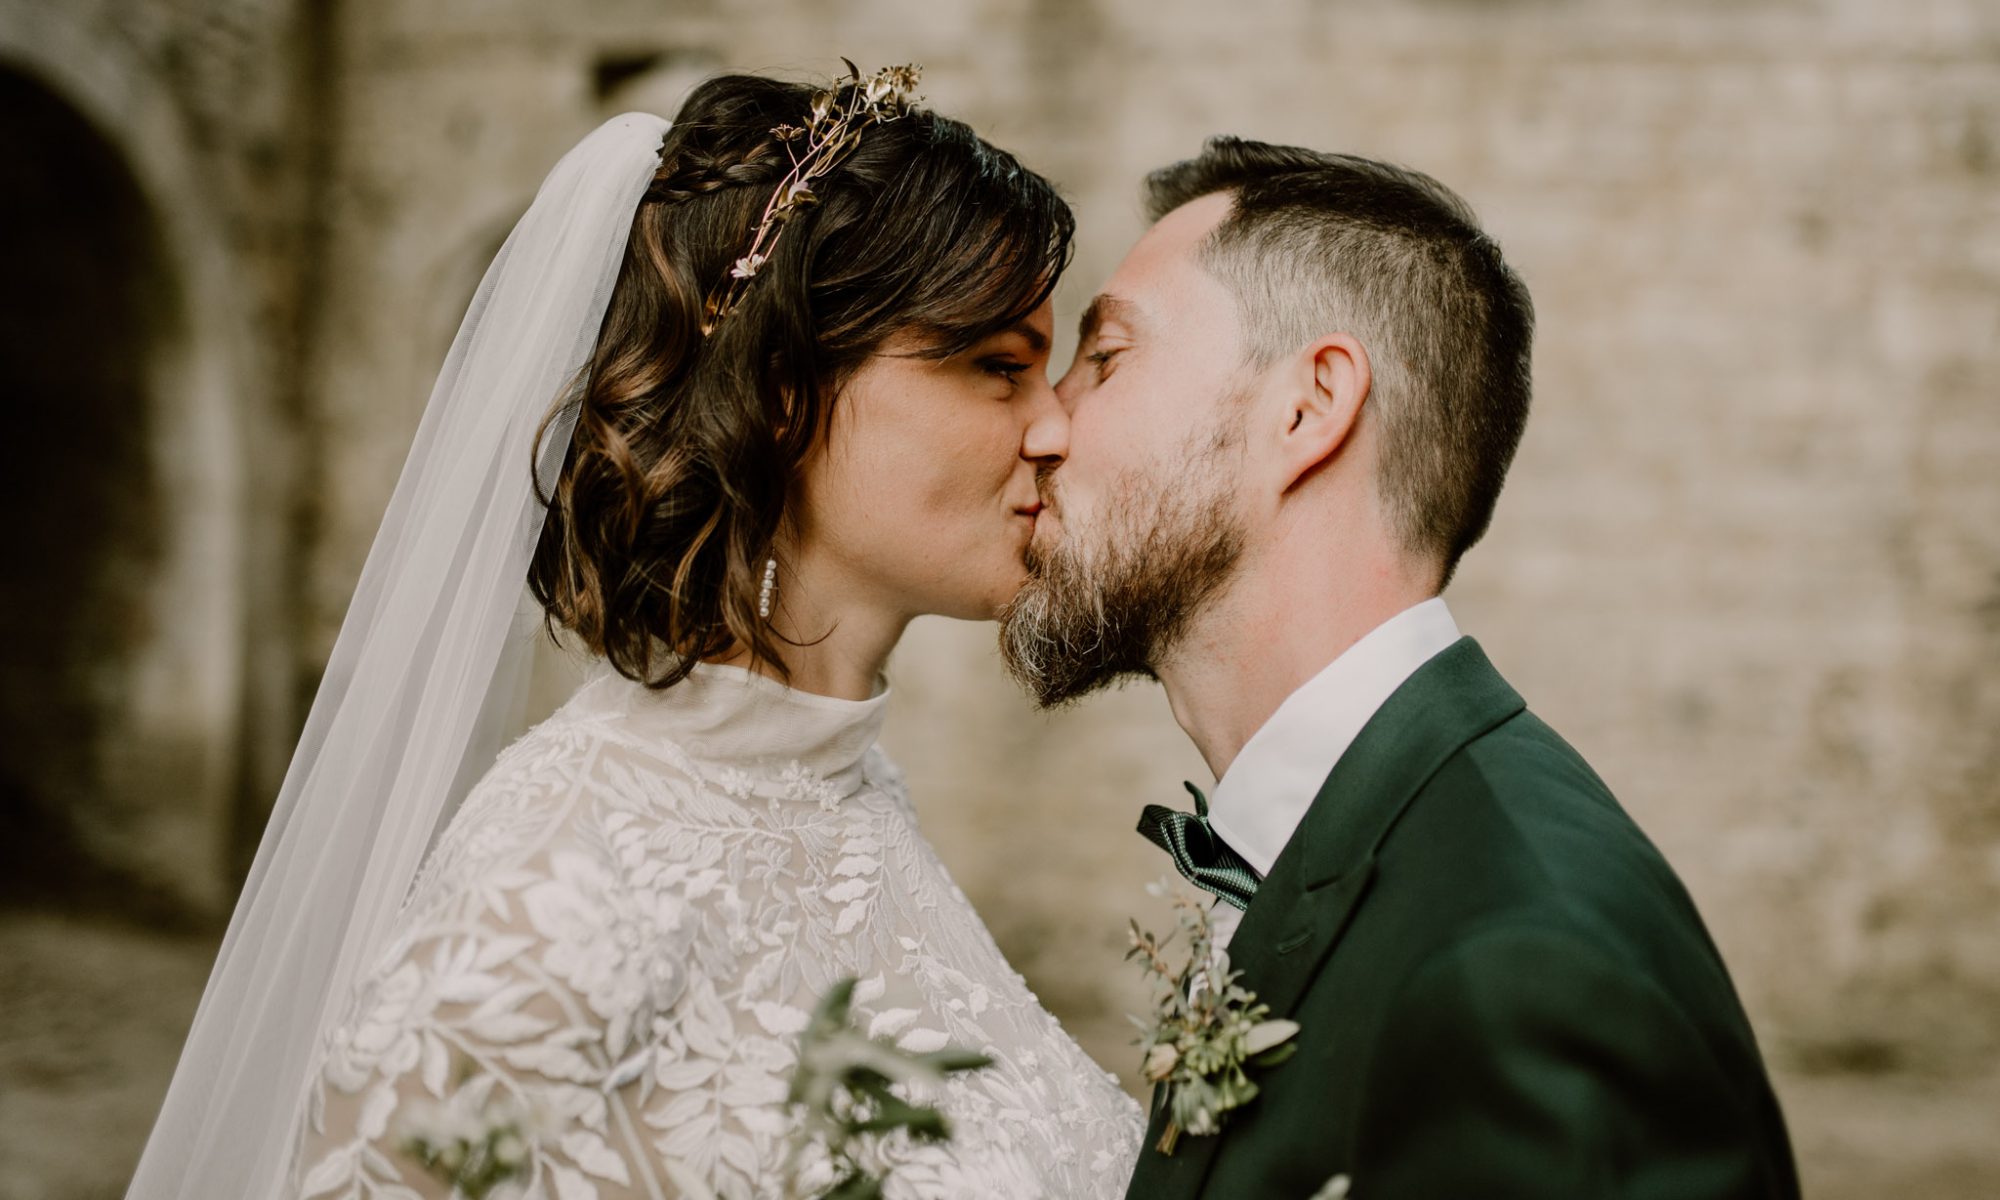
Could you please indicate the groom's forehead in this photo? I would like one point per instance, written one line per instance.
(1164, 264)
(1179, 235)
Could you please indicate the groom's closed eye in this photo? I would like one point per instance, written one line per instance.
(1108, 321)
(1101, 361)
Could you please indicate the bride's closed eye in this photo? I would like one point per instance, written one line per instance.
(1005, 367)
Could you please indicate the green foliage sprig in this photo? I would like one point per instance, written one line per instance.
(841, 1092)
(472, 1142)
(1207, 1030)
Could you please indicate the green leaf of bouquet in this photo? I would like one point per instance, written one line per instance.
(858, 1186)
(1276, 1055)
(895, 1113)
(833, 1006)
(951, 1060)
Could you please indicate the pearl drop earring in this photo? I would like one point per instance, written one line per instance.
(769, 589)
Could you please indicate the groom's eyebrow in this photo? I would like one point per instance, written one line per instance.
(1103, 308)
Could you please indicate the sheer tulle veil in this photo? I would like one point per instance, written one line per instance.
(426, 677)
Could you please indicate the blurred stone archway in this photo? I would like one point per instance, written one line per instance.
(88, 300)
(117, 729)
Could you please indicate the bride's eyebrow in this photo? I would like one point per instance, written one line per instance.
(1037, 340)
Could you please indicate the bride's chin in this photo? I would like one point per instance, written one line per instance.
(991, 600)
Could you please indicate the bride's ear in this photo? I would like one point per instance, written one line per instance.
(1329, 381)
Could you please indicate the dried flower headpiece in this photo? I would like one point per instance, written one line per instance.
(831, 132)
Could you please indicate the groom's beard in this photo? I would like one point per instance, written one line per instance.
(1113, 597)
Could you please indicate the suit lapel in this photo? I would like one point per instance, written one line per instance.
(1324, 872)
(1310, 921)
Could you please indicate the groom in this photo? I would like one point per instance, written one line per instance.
(1292, 410)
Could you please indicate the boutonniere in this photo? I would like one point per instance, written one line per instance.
(1207, 1030)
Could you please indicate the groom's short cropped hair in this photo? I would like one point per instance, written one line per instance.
(1319, 243)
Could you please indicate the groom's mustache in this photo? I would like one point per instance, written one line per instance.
(1045, 488)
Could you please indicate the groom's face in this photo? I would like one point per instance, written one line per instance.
(1140, 527)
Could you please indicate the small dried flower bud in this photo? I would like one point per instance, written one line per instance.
(1335, 1189)
(1160, 1061)
(508, 1150)
(1266, 1034)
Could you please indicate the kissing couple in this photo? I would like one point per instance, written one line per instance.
(741, 396)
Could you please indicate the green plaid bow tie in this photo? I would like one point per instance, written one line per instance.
(1204, 858)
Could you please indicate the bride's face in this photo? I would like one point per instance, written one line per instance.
(921, 498)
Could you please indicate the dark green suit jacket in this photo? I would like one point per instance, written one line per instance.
(1502, 988)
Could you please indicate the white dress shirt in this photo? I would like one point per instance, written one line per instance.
(1264, 794)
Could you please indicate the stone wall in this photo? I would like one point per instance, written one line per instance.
(186, 676)
(1748, 561)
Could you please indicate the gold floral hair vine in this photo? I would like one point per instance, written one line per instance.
(831, 132)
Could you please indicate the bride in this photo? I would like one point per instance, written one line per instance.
(798, 344)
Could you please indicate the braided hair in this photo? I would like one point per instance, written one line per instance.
(687, 449)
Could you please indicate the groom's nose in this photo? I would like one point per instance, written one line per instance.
(1046, 439)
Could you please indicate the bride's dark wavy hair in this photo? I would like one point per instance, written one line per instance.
(687, 449)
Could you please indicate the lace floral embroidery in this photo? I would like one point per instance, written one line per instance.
(626, 936)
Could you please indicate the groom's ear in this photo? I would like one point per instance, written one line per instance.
(1329, 382)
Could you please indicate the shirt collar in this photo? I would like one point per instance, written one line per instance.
(1262, 797)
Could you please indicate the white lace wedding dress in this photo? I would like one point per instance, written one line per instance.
(627, 923)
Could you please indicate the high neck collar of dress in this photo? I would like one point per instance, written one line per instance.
(729, 717)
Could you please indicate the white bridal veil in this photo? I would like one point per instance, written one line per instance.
(427, 676)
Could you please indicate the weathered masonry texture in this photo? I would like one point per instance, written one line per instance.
(1748, 560)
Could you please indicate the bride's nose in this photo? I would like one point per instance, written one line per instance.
(1046, 438)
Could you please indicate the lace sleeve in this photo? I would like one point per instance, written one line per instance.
(539, 953)
(511, 1003)
(579, 955)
